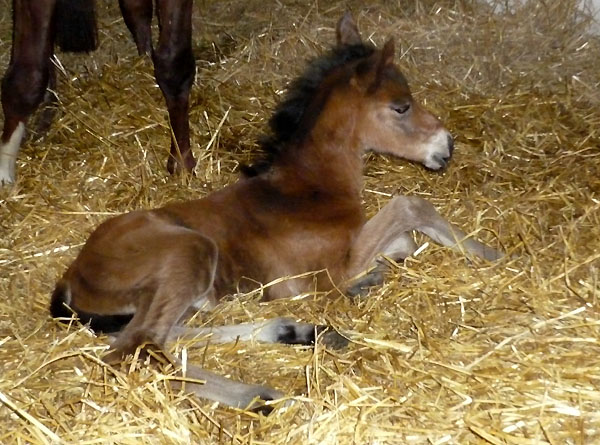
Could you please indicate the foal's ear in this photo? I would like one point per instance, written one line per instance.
(387, 54)
(347, 31)
(386, 58)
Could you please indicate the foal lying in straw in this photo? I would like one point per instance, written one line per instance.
(296, 211)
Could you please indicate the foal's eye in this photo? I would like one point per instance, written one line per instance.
(401, 108)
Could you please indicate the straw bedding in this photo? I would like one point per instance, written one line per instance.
(447, 351)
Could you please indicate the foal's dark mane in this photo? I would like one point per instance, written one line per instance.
(288, 121)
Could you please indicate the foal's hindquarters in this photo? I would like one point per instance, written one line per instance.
(141, 264)
(146, 269)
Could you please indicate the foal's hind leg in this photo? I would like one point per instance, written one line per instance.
(25, 81)
(386, 234)
(175, 70)
(138, 18)
(184, 276)
(227, 391)
(276, 330)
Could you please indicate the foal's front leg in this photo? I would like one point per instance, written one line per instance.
(388, 234)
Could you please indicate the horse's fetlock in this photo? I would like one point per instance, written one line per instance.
(26, 90)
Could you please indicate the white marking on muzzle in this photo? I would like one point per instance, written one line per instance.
(8, 155)
(437, 149)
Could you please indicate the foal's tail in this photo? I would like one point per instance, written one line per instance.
(76, 28)
(62, 308)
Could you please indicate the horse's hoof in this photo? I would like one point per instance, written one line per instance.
(177, 166)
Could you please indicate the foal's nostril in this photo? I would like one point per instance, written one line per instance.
(450, 144)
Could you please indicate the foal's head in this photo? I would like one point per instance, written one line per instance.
(355, 77)
(391, 121)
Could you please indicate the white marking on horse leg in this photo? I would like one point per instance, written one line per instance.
(8, 155)
(437, 149)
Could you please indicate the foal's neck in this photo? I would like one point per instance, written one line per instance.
(330, 156)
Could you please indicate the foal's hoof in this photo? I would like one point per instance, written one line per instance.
(114, 357)
(362, 285)
(334, 340)
(260, 397)
(290, 332)
(491, 254)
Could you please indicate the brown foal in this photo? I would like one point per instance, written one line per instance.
(298, 210)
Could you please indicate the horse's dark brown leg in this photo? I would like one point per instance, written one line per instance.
(49, 103)
(138, 17)
(26, 78)
(174, 69)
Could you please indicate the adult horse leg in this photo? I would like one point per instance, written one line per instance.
(174, 69)
(138, 18)
(386, 234)
(25, 81)
(49, 103)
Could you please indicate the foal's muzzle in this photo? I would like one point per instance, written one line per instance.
(440, 148)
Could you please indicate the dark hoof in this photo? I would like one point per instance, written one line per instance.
(261, 395)
(262, 408)
(129, 344)
(114, 357)
(362, 286)
(176, 166)
(44, 121)
(331, 339)
(291, 332)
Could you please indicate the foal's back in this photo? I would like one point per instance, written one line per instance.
(272, 226)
